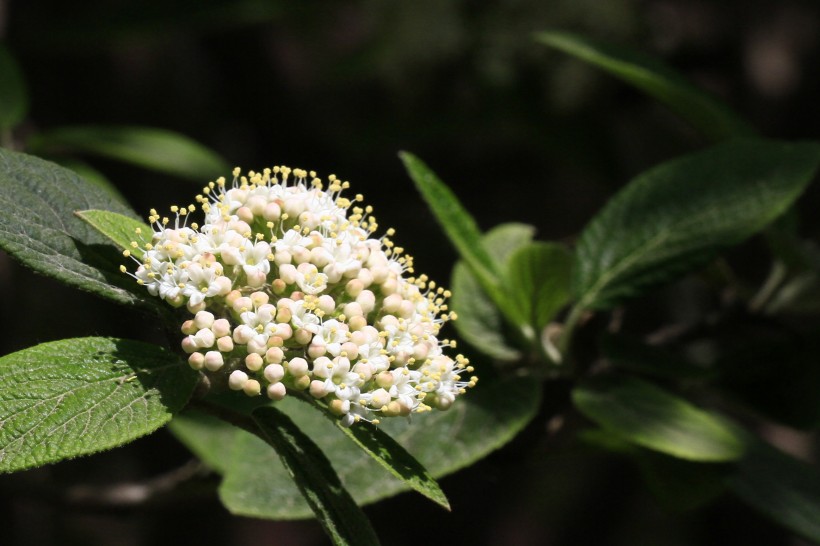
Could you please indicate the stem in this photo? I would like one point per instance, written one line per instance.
(777, 274)
(574, 317)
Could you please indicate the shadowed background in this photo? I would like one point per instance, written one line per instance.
(520, 132)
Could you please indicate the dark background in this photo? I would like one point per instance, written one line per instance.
(520, 132)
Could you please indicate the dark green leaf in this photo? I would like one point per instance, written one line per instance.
(702, 111)
(486, 418)
(677, 215)
(13, 96)
(653, 418)
(342, 519)
(120, 229)
(480, 323)
(38, 227)
(77, 396)
(151, 148)
(457, 223)
(781, 487)
(396, 460)
(539, 277)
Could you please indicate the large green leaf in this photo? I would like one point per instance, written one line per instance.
(704, 112)
(156, 149)
(486, 418)
(539, 278)
(655, 419)
(677, 215)
(119, 229)
(38, 227)
(342, 519)
(480, 323)
(77, 396)
(13, 96)
(783, 488)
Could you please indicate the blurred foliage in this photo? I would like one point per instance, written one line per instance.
(520, 132)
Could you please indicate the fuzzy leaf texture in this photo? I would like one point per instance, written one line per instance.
(118, 228)
(650, 417)
(38, 227)
(708, 115)
(480, 323)
(256, 485)
(13, 96)
(677, 215)
(156, 149)
(78, 396)
(342, 519)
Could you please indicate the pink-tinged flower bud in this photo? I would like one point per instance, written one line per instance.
(252, 387)
(237, 380)
(213, 360)
(297, 367)
(253, 362)
(274, 372)
(221, 328)
(277, 391)
(196, 361)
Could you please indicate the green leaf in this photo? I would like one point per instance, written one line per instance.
(486, 418)
(783, 488)
(120, 229)
(655, 419)
(13, 96)
(678, 484)
(457, 223)
(676, 216)
(207, 437)
(504, 239)
(710, 116)
(38, 227)
(151, 148)
(539, 277)
(480, 323)
(396, 460)
(77, 396)
(342, 519)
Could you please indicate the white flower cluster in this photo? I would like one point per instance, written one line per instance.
(290, 292)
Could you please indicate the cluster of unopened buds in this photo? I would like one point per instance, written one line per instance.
(291, 292)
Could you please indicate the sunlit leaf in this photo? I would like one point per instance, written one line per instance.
(73, 397)
(157, 149)
(655, 419)
(677, 215)
(38, 227)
